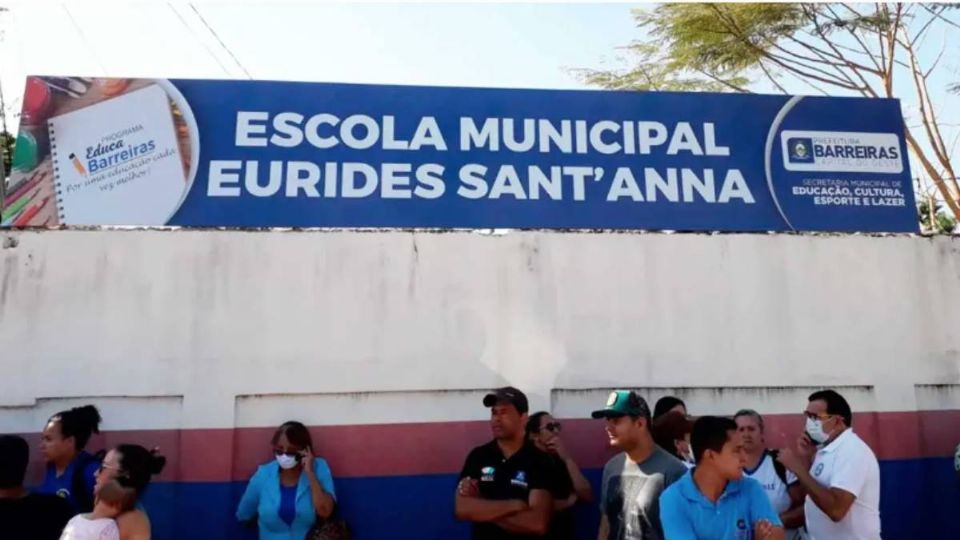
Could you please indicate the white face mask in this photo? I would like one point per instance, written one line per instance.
(688, 457)
(815, 430)
(286, 462)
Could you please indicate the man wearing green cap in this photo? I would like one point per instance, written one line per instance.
(634, 479)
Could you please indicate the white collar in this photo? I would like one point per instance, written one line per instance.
(838, 442)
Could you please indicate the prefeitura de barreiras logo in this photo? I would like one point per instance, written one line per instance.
(801, 150)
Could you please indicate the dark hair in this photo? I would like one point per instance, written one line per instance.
(296, 433)
(668, 428)
(710, 433)
(835, 404)
(752, 414)
(533, 423)
(137, 466)
(666, 403)
(14, 456)
(79, 423)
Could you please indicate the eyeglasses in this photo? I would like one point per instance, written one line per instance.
(552, 427)
(105, 467)
(288, 453)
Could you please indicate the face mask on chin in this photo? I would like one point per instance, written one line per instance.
(816, 432)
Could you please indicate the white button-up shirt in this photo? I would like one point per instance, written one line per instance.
(849, 464)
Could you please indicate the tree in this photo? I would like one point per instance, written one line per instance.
(859, 49)
(933, 220)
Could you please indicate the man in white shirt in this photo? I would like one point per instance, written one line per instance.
(780, 485)
(843, 480)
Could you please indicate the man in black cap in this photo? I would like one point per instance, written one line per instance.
(634, 479)
(504, 485)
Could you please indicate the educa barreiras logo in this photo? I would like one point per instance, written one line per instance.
(841, 151)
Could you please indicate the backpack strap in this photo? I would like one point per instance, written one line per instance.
(777, 466)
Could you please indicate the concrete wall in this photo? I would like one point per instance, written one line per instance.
(179, 334)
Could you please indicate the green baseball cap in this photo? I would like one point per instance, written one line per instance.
(623, 403)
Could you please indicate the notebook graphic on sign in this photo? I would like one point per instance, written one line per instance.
(118, 162)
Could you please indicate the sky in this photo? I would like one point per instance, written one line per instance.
(509, 45)
(505, 45)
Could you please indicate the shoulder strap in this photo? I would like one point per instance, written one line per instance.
(777, 466)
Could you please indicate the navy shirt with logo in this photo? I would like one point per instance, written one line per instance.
(502, 479)
(62, 486)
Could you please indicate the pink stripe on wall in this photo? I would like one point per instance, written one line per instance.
(218, 455)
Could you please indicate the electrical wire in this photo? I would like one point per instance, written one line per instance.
(195, 36)
(83, 38)
(222, 44)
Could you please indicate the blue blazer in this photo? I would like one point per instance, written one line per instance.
(261, 500)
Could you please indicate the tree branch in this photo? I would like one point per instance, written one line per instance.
(891, 51)
(770, 77)
(940, 16)
(949, 195)
(928, 116)
(849, 30)
(926, 74)
(868, 89)
(722, 81)
(735, 31)
(800, 64)
(808, 83)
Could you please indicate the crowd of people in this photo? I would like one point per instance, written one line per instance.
(674, 478)
(83, 496)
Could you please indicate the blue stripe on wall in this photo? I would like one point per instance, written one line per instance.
(920, 499)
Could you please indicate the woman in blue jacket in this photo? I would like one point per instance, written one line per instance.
(288, 494)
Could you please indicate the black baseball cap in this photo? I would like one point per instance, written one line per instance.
(507, 394)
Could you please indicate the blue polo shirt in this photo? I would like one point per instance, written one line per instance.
(687, 515)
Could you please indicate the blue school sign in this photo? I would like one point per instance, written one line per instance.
(281, 154)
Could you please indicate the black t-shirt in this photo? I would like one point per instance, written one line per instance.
(504, 479)
(561, 487)
(34, 517)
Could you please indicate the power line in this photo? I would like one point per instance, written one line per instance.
(83, 38)
(194, 34)
(222, 44)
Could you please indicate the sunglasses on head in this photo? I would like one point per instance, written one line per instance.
(552, 427)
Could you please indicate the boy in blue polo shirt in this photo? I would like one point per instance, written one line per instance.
(713, 501)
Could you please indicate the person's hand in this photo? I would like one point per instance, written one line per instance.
(793, 460)
(556, 446)
(764, 530)
(306, 458)
(806, 448)
(468, 487)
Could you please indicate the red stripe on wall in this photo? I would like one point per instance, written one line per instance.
(217, 455)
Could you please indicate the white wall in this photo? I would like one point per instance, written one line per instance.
(203, 320)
